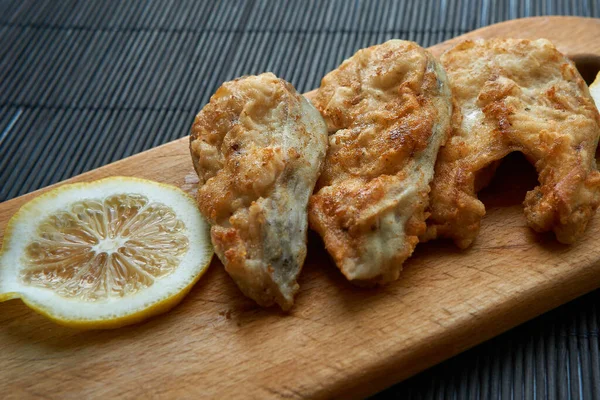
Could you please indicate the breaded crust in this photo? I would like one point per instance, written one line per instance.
(517, 95)
(258, 147)
(387, 109)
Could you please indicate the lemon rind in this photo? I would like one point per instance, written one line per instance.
(135, 317)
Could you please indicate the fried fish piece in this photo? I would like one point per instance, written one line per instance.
(388, 110)
(516, 95)
(258, 147)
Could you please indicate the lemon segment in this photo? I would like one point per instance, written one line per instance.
(595, 90)
(105, 253)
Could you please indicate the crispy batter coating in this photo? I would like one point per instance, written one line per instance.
(258, 147)
(517, 95)
(388, 111)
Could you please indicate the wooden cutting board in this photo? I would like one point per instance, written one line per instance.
(338, 340)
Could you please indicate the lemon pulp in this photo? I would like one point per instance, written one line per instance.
(98, 253)
(101, 249)
(595, 90)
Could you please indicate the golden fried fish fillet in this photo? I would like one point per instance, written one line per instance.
(517, 95)
(388, 111)
(258, 147)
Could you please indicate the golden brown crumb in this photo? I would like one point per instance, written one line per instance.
(517, 95)
(388, 109)
(258, 147)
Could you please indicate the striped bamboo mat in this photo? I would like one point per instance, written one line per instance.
(85, 83)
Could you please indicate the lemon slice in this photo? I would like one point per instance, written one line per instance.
(104, 254)
(595, 90)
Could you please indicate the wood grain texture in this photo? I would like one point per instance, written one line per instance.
(338, 340)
